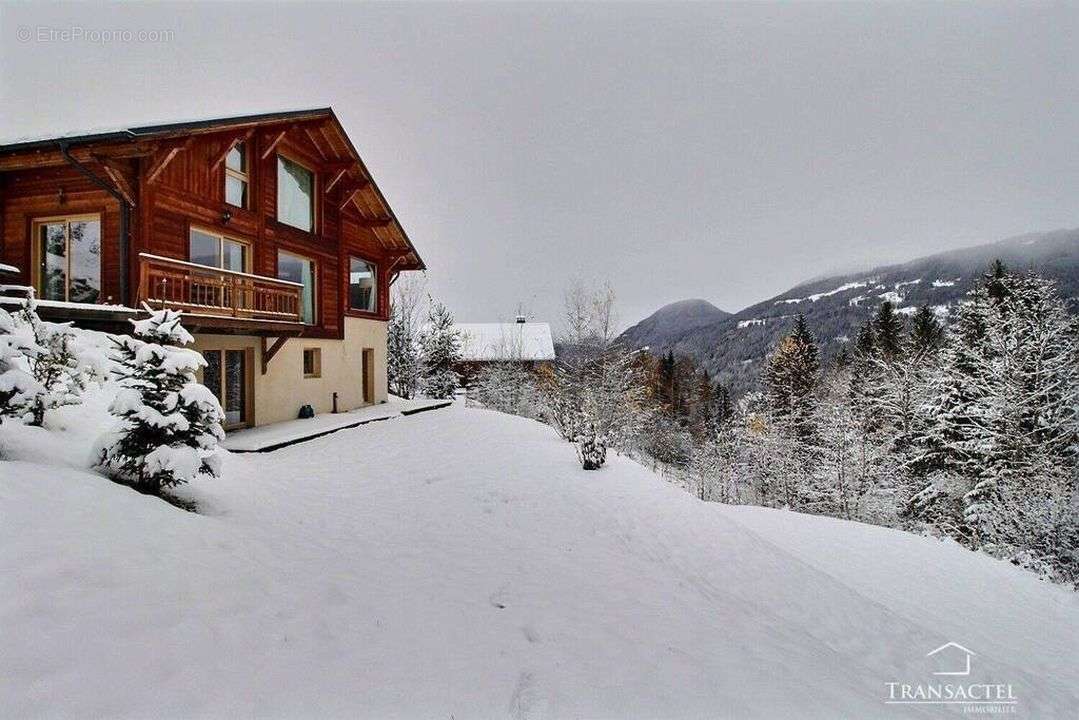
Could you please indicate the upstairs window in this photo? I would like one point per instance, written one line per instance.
(362, 287)
(295, 195)
(236, 179)
(68, 253)
(213, 250)
(298, 269)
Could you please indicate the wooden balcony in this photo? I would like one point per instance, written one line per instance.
(212, 297)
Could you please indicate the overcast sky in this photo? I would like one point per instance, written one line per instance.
(718, 151)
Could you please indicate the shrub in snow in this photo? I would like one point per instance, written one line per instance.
(508, 387)
(597, 403)
(441, 352)
(171, 424)
(60, 372)
(18, 388)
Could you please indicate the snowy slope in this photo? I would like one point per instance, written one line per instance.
(459, 564)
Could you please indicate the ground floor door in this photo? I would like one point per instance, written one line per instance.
(228, 376)
(368, 376)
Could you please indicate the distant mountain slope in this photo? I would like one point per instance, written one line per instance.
(836, 306)
(671, 322)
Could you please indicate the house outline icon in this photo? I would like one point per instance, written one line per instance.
(967, 654)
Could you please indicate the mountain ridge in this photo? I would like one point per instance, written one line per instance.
(732, 347)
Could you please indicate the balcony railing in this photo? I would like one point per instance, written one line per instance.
(202, 290)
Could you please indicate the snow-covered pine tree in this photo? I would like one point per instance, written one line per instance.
(18, 388)
(402, 354)
(1035, 433)
(954, 452)
(790, 378)
(889, 332)
(441, 344)
(668, 382)
(171, 424)
(702, 419)
(56, 367)
(926, 333)
(723, 408)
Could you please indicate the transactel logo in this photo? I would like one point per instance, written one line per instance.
(952, 660)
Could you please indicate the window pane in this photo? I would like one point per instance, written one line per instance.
(234, 255)
(53, 261)
(205, 249)
(235, 387)
(211, 374)
(295, 193)
(84, 240)
(299, 270)
(237, 158)
(235, 191)
(361, 285)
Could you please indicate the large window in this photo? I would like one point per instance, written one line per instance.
(295, 194)
(213, 250)
(299, 270)
(236, 176)
(69, 256)
(362, 287)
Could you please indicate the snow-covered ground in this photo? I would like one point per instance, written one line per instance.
(459, 564)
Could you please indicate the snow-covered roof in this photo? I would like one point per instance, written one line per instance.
(506, 341)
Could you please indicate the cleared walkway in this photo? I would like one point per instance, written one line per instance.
(282, 434)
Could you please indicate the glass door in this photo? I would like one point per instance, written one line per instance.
(226, 376)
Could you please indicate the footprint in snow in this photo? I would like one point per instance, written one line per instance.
(526, 702)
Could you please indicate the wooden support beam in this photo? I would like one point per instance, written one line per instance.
(268, 352)
(336, 171)
(314, 141)
(349, 192)
(166, 157)
(236, 140)
(380, 222)
(117, 176)
(274, 143)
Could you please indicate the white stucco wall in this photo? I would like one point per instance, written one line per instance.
(279, 394)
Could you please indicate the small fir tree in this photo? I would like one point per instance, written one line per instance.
(171, 424)
(57, 368)
(18, 388)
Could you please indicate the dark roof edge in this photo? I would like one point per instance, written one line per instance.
(148, 131)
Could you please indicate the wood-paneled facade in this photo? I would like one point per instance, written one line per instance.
(170, 179)
(174, 176)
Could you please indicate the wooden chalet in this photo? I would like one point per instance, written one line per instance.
(267, 231)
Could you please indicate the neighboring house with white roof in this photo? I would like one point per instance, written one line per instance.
(529, 343)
